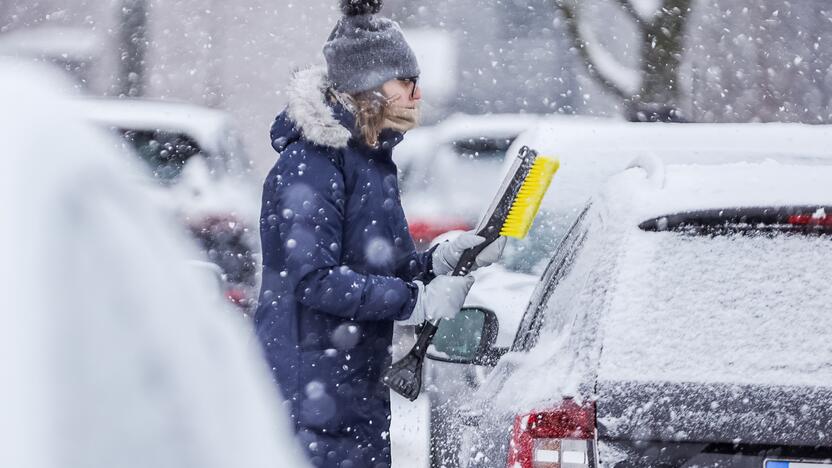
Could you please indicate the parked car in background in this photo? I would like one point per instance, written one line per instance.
(448, 171)
(681, 322)
(115, 350)
(202, 172)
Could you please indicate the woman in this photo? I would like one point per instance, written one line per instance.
(339, 266)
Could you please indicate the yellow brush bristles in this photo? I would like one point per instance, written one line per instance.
(525, 206)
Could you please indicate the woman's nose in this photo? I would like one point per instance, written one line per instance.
(417, 93)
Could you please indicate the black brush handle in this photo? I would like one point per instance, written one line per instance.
(425, 337)
(467, 259)
(469, 256)
(405, 376)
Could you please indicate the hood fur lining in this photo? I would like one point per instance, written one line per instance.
(311, 113)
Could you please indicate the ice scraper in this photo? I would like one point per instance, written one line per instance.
(510, 214)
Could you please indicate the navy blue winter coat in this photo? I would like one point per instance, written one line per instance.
(338, 266)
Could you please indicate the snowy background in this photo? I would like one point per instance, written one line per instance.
(742, 60)
(561, 61)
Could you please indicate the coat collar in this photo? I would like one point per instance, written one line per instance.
(309, 110)
(324, 123)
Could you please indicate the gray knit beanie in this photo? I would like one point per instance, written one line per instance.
(363, 51)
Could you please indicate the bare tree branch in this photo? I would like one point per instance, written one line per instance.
(628, 7)
(580, 44)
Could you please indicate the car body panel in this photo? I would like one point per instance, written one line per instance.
(714, 412)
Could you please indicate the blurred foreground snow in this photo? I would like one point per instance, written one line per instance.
(112, 353)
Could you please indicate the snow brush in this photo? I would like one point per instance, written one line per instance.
(510, 214)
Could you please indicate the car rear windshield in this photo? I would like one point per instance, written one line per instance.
(165, 152)
(739, 295)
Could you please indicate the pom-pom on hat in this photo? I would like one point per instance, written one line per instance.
(364, 51)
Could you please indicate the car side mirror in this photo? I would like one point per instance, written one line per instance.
(468, 338)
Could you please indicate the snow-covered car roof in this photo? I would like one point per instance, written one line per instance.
(657, 190)
(590, 151)
(204, 124)
(685, 141)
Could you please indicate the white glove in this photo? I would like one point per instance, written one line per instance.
(442, 298)
(447, 254)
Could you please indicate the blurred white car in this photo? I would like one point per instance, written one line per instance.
(194, 154)
(448, 171)
(114, 350)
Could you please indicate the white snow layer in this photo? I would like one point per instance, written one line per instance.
(729, 309)
(733, 309)
(112, 352)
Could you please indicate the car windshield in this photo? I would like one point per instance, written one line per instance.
(740, 297)
(164, 152)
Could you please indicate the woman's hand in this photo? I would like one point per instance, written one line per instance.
(442, 298)
(447, 254)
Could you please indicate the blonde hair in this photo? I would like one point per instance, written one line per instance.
(370, 109)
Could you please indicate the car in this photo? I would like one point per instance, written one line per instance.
(591, 150)
(202, 172)
(680, 322)
(116, 349)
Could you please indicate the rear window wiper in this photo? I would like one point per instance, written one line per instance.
(815, 219)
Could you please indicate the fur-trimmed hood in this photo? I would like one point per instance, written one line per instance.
(308, 114)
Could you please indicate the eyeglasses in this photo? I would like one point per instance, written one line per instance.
(413, 80)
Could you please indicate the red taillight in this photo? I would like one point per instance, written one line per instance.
(560, 437)
(810, 220)
(426, 231)
(237, 297)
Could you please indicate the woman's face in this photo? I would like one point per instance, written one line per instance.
(404, 93)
